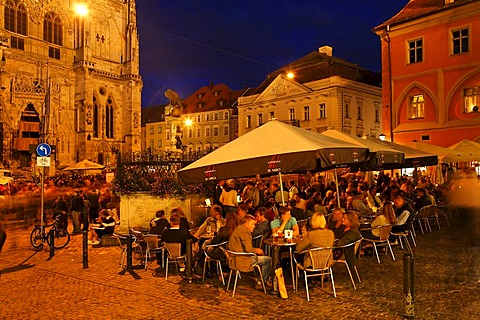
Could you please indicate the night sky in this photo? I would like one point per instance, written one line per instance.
(186, 44)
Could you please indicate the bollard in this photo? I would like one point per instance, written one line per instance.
(129, 252)
(85, 244)
(188, 267)
(408, 289)
(52, 244)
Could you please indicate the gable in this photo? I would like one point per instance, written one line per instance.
(281, 87)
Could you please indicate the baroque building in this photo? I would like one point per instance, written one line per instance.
(316, 92)
(69, 80)
(431, 72)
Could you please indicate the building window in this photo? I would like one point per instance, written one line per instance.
(109, 121)
(215, 131)
(226, 132)
(151, 144)
(53, 33)
(377, 112)
(291, 113)
(415, 51)
(96, 118)
(425, 137)
(167, 135)
(322, 111)
(199, 132)
(417, 107)
(225, 116)
(260, 119)
(221, 103)
(471, 99)
(152, 130)
(249, 121)
(15, 17)
(159, 143)
(190, 133)
(460, 41)
(207, 117)
(359, 109)
(17, 43)
(207, 132)
(200, 95)
(347, 110)
(216, 93)
(272, 114)
(306, 113)
(159, 129)
(215, 116)
(199, 118)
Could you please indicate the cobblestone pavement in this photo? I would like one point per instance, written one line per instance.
(446, 286)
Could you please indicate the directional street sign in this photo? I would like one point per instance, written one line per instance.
(43, 161)
(44, 150)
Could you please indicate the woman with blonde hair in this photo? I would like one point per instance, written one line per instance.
(386, 216)
(228, 198)
(318, 237)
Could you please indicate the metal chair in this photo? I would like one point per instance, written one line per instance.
(231, 256)
(209, 258)
(122, 243)
(153, 245)
(404, 235)
(174, 255)
(356, 247)
(382, 241)
(321, 259)
(426, 214)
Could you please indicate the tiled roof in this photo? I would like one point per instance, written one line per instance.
(212, 97)
(153, 114)
(317, 66)
(418, 8)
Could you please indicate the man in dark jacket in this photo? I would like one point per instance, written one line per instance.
(76, 210)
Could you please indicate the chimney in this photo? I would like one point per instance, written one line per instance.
(326, 50)
(210, 86)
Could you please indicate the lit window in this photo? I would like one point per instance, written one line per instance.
(415, 51)
(291, 114)
(159, 129)
(249, 121)
(322, 110)
(152, 130)
(260, 119)
(159, 143)
(471, 99)
(417, 107)
(460, 41)
(306, 113)
(151, 144)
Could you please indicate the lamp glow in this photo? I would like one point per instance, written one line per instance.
(188, 122)
(381, 137)
(290, 75)
(81, 9)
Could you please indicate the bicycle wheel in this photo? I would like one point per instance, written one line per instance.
(61, 238)
(36, 238)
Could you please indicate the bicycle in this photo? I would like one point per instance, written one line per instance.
(38, 235)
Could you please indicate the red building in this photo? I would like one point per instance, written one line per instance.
(431, 72)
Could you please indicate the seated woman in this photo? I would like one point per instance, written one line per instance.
(106, 225)
(231, 223)
(317, 237)
(350, 235)
(335, 223)
(386, 216)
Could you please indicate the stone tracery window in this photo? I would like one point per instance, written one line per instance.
(96, 118)
(109, 120)
(15, 20)
(53, 33)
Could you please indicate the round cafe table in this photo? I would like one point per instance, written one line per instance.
(275, 245)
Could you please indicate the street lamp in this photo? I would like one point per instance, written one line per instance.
(81, 9)
(381, 137)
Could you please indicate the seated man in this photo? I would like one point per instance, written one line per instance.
(178, 235)
(297, 213)
(422, 199)
(106, 225)
(403, 212)
(241, 241)
(262, 224)
(212, 223)
(159, 223)
(285, 222)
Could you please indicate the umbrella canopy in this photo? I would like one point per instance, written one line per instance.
(413, 157)
(85, 165)
(272, 148)
(448, 155)
(380, 154)
(470, 148)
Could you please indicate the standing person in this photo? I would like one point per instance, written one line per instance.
(76, 209)
(93, 197)
(60, 208)
(292, 191)
(251, 192)
(241, 241)
(228, 198)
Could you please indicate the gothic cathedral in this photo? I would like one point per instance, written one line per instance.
(69, 78)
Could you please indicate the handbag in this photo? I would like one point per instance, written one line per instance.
(282, 289)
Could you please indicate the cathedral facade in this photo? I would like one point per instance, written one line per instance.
(69, 80)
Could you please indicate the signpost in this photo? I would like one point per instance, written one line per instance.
(43, 160)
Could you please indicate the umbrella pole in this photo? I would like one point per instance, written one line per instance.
(336, 186)
(281, 187)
